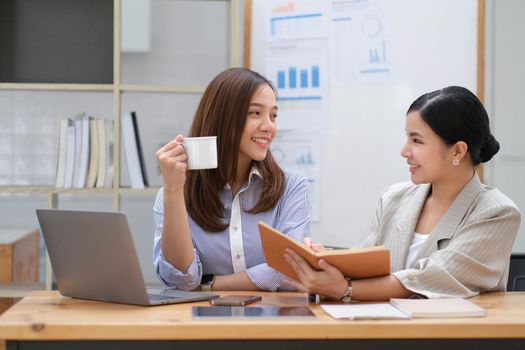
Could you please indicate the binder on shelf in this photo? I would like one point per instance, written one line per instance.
(105, 150)
(77, 122)
(81, 150)
(130, 139)
(70, 155)
(93, 154)
(110, 161)
(62, 154)
(102, 149)
(139, 149)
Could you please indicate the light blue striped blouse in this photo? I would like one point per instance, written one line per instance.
(213, 255)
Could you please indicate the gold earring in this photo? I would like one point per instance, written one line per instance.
(455, 162)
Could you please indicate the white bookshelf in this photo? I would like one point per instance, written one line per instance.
(116, 89)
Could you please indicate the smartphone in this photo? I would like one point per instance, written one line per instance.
(235, 300)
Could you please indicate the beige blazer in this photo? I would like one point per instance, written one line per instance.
(468, 251)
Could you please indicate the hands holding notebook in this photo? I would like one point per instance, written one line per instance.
(315, 281)
(329, 281)
(314, 268)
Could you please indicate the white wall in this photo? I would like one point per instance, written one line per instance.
(505, 91)
(432, 45)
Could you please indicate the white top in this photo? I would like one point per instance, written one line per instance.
(236, 245)
(415, 246)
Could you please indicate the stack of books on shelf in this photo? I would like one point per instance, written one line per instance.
(85, 152)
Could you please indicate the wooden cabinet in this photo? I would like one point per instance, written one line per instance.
(19, 255)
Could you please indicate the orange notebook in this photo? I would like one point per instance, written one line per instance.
(355, 263)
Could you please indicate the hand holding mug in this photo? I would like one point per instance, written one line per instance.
(172, 160)
(181, 154)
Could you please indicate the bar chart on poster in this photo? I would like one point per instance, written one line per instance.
(296, 69)
(345, 73)
(307, 77)
(360, 42)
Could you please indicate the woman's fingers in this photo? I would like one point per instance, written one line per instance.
(177, 151)
(166, 147)
(171, 149)
(330, 269)
(324, 282)
(308, 242)
(176, 142)
(318, 247)
(311, 244)
(304, 271)
(175, 154)
(296, 262)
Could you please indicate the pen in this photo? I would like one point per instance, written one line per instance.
(333, 247)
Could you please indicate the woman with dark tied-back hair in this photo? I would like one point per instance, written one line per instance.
(448, 234)
(206, 234)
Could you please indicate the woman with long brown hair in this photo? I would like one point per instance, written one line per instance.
(206, 220)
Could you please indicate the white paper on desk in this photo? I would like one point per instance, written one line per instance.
(381, 311)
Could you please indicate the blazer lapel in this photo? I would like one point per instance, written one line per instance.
(406, 225)
(450, 221)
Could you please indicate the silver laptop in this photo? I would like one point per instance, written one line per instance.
(93, 256)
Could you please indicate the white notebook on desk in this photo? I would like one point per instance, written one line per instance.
(438, 308)
(406, 309)
(382, 311)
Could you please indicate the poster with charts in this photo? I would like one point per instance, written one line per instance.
(296, 60)
(359, 42)
(301, 152)
(298, 69)
(296, 19)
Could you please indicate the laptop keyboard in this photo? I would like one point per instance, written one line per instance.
(162, 297)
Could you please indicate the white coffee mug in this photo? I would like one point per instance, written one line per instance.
(201, 152)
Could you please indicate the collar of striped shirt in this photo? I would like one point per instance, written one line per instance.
(254, 171)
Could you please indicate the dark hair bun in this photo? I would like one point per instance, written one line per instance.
(456, 114)
(490, 148)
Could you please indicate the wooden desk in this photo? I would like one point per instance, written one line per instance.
(46, 318)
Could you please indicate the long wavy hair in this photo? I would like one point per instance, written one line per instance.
(222, 112)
